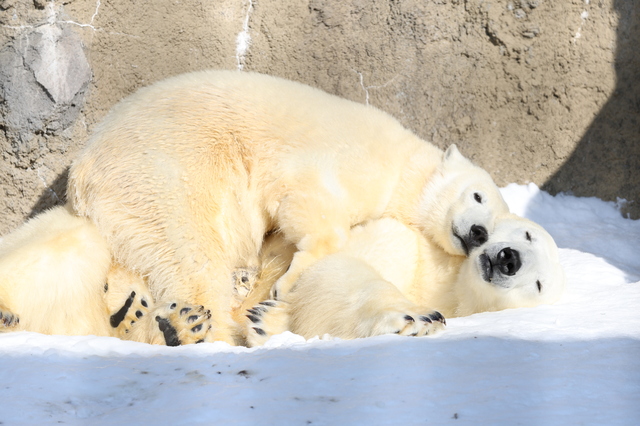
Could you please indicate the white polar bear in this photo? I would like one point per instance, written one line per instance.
(390, 279)
(57, 265)
(184, 178)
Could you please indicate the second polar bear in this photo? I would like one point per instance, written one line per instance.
(390, 279)
(184, 178)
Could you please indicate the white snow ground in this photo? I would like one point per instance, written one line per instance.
(576, 362)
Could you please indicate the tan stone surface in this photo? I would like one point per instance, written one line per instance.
(533, 90)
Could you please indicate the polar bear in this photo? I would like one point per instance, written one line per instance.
(184, 178)
(388, 278)
(54, 269)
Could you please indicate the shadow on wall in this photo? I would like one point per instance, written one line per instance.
(606, 161)
(54, 195)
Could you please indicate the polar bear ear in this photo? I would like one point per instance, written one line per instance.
(451, 153)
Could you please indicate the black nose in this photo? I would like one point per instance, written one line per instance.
(478, 235)
(508, 261)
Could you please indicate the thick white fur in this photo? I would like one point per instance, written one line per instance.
(185, 177)
(387, 271)
(53, 271)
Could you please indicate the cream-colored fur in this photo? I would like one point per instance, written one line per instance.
(389, 278)
(53, 271)
(57, 277)
(185, 177)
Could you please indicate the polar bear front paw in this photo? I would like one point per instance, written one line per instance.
(423, 323)
(264, 320)
(7, 319)
(132, 310)
(181, 324)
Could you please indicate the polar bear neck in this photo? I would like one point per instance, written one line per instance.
(421, 166)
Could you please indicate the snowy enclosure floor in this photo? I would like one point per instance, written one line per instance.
(575, 362)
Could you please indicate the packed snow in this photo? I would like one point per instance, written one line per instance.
(575, 362)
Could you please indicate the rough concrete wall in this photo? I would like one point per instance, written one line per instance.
(533, 90)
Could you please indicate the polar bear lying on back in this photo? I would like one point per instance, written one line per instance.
(184, 178)
(390, 279)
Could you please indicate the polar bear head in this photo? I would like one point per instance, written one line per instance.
(517, 267)
(459, 205)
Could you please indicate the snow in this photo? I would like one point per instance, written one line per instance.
(576, 362)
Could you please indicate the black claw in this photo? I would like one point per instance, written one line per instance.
(413, 334)
(260, 331)
(254, 311)
(426, 319)
(196, 328)
(268, 303)
(437, 316)
(138, 314)
(409, 318)
(200, 341)
(173, 306)
(184, 310)
(144, 303)
(254, 319)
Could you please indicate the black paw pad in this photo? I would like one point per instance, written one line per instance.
(169, 332)
(118, 317)
(184, 310)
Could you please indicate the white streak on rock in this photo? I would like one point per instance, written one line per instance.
(243, 40)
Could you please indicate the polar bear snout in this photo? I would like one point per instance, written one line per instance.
(478, 235)
(508, 261)
(475, 238)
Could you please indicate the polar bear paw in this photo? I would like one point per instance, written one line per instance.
(421, 323)
(182, 324)
(264, 320)
(243, 280)
(132, 310)
(7, 319)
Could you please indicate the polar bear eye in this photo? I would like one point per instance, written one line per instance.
(477, 197)
(539, 286)
(528, 236)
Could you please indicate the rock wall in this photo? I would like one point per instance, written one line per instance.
(533, 90)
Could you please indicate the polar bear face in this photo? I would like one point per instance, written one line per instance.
(517, 267)
(459, 205)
